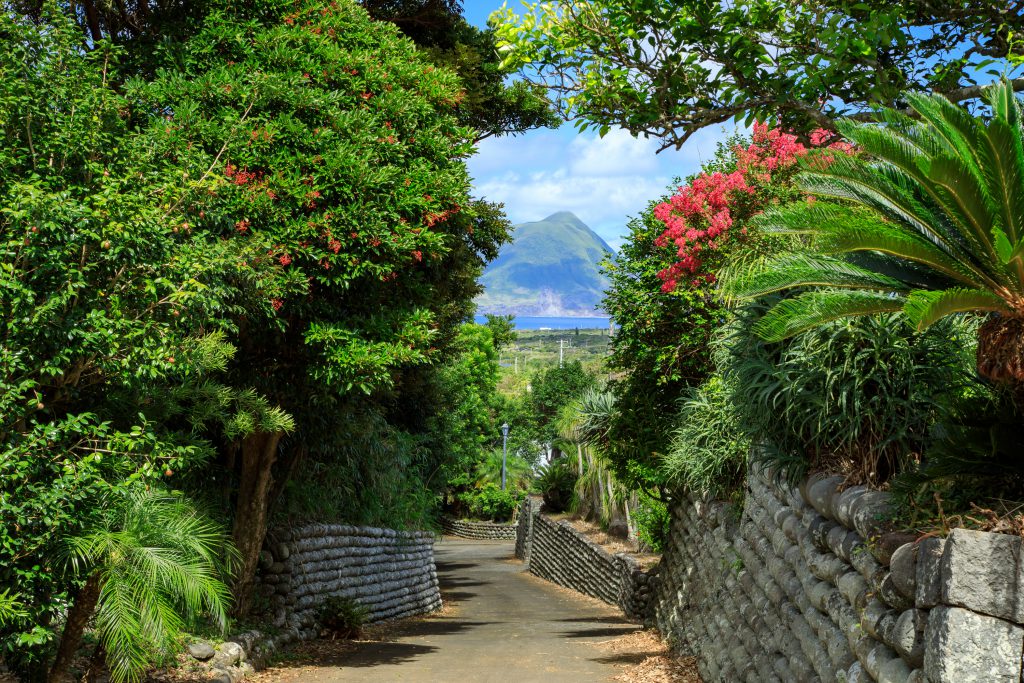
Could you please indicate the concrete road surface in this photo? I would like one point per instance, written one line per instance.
(506, 626)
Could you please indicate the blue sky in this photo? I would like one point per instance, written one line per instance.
(603, 181)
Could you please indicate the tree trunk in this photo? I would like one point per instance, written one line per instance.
(1001, 349)
(256, 455)
(584, 509)
(78, 617)
(630, 535)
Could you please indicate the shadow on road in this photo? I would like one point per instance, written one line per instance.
(612, 619)
(446, 567)
(457, 596)
(375, 654)
(600, 632)
(447, 582)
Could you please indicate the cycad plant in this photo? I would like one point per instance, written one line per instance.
(153, 565)
(928, 219)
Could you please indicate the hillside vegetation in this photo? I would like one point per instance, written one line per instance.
(551, 267)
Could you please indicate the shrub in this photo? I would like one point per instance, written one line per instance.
(652, 523)
(709, 447)
(490, 502)
(973, 458)
(556, 482)
(857, 396)
(342, 617)
(496, 504)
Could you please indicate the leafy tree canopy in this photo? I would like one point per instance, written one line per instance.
(668, 69)
(492, 106)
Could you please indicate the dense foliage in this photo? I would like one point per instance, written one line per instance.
(929, 223)
(661, 344)
(233, 261)
(113, 323)
(858, 397)
(710, 446)
(663, 292)
(550, 390)
(668, 69)
(493, 105)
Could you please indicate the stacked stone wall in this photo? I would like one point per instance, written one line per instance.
(806, 585)
(557, 552)
(524, 529)
(390, 573)
(482, 531)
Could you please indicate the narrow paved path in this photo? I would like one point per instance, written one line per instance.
(504, 626)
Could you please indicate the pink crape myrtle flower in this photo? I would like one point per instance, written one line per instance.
(699, 216)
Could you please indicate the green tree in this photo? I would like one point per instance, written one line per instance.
(661, 346)
(491, 104)
(668, 69)
(113, 321)
(551, 390)
(929, 221)
(325, 140)
(468, 424)
(667, 318)
(503, 329)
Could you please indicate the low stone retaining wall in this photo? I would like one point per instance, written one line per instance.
(390, 573)
(524, 529)
(804, 585)
(557, 552)
(483, 531)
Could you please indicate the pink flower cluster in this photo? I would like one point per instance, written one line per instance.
(695, 218)
(699, 217)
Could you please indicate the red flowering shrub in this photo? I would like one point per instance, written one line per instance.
(698, 219)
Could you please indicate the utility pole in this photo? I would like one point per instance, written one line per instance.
(504, 452)
(561, 343)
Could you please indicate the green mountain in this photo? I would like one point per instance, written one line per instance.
(550, 268)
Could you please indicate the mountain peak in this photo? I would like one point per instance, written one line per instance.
(563, 217)
(550, 268)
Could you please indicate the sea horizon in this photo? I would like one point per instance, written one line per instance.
(535, 322)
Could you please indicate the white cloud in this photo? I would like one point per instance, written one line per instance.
(604, 203)
(604, 181)
(616, 154)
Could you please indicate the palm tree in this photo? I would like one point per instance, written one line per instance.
(584, 424)
(152, 565)
(928, 219)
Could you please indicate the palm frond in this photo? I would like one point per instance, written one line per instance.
(886, 191)
(949, 125)
(813, 309)
(162, 565)
(923, 308)
(805, 270)
(1007, 176)
(848, 230)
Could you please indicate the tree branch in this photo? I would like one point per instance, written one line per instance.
(975, 91)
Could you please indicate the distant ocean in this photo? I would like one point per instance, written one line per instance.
(537, 323)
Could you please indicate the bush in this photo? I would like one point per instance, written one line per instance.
(342, 617)
(490, 503)
(497, 505)
(709, 448)
(652, 523)
(858, 396)
(556, 483)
